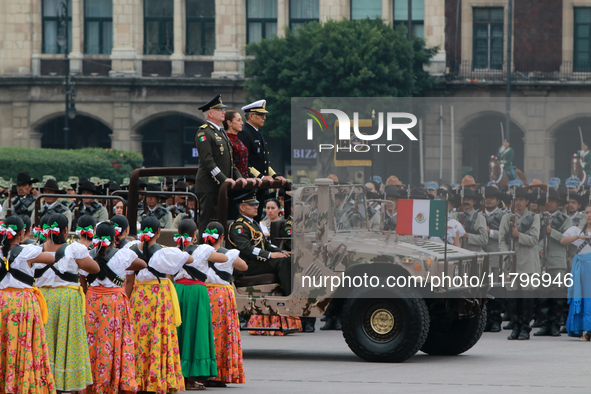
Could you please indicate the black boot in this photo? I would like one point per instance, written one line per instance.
(523, 335)
(243, 320)
(332, 323)
(308, 324)
(545, 331)
(495, 327)
(525, 317)
(514, 335)
(323, 318)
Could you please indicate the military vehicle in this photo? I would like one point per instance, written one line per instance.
(333, 235)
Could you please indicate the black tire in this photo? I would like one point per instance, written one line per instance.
(402, 323)
(450, 338)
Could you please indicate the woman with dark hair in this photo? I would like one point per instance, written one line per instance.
(85, 230)
(196, 343)
(156, 312)
(109, 324)
(226, 326)
(24, 358)
(65, 328)
(28, 230)
(274, 212)
(233, 125)
(121, 226)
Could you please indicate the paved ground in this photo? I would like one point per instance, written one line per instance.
(322, 363)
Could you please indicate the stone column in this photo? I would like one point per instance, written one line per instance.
(334, 9)
(230, 27)
(124, 54)
(387, 11)
(17, 32)
(178, 57)
(435, 34)
(77, 34)
(282, 17)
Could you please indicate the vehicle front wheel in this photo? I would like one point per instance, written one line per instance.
(385, 329)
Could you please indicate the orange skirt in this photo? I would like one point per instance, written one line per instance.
(24, 355)
(226, 334)
(110, 340)
(285, 322)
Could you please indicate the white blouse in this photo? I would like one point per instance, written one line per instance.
(200, 256)
(119, 264)
(75, 251)
(574, 230)
(29, 252)
(168, 261)
(212, 277)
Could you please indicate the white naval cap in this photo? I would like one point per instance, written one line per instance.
(257, 106)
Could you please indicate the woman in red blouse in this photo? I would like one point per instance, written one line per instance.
(233, 125)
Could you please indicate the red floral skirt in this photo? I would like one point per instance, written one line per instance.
(292, 322)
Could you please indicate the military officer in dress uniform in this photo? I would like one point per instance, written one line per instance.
(553, 225)
(24, 202)
(90, 206)
(493, 215)
(153, 208)
(216, 163)
(506, 156)
(51, 204)
(260, 255)
(476, 236)
(521, 231)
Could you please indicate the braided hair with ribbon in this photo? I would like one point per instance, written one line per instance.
(86, 227)
(9, 230)
(57, 225)
(38, 231)
(120, 224)
(187, 230)
(148, 229)
(213, 232)
(102, 240)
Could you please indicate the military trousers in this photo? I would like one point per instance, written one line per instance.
(208, 203)
(281, 267)
(552, 305)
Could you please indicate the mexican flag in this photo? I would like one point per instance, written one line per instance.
(421, 217)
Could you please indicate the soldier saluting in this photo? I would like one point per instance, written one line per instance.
(553, 227)
(24, 202)
(261, 256)
(521, 231)
(216, 163)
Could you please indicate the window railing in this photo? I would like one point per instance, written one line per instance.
(523, 72)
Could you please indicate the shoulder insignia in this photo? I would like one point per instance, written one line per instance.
(204, 125)
(239, 229)
(239, 220)
(200, 133)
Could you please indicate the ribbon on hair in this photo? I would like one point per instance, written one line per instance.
(118, 229)
(146, 234)
(54, 229)
(102, 241)
(8, 230)
(182, 239)
(281, 211)
(210, 235)
(88, 231)
(38, 233)
(45, 230)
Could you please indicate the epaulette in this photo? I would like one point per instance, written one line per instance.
(239, 220)
(204, 125)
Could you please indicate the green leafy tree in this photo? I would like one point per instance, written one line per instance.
(362, 58)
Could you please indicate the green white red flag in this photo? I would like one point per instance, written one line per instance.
(421, 217)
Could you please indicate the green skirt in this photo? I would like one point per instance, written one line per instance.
(195, 334)
(66, 339)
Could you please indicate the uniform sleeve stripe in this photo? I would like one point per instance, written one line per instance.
(215, 171)
(256, 251)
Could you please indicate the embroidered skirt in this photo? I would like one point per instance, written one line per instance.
(195, 333)
(226, 332)
(579, 313)
(110, 339)
(66, 339)
(285, 322)
(158, 361)
(24, 356)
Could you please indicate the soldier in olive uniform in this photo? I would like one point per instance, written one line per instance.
(493, 215)
(90, 206)
(260, 255)
(51, 204)
(476, 236)
(153, 208)
(24, 202)
(521, 232)
(216, 163)
(506, 156)
(553, 225)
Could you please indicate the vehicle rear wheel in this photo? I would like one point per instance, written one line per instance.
(385, 329)
(453, 337)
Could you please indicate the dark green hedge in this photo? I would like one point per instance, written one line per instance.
(61, 163)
